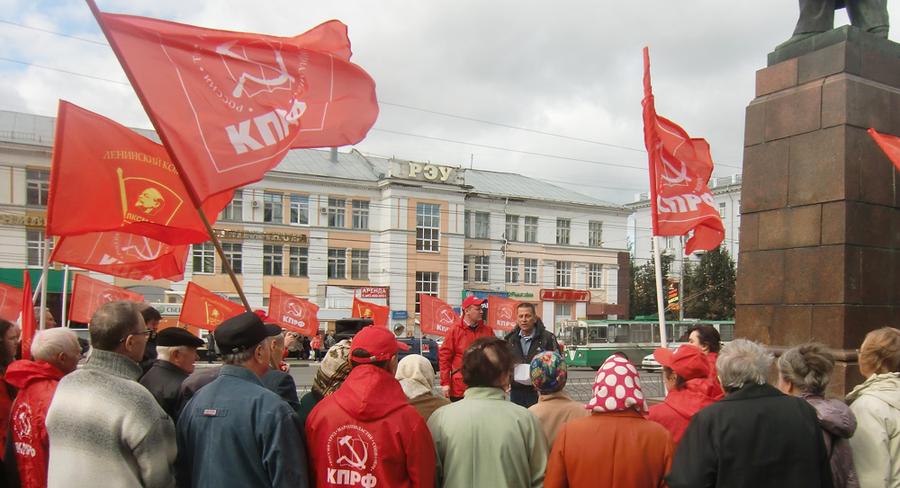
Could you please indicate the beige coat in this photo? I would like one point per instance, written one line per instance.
(555, 409)
(876, 442)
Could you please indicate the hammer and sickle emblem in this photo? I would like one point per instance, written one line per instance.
(279, 68)
(358, 462)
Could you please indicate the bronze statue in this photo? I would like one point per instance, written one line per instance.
(817, 16)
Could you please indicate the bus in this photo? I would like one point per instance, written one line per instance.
(589, 342)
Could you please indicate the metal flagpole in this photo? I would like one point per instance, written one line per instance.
(660, 305)
(44, 280)
(65, 291)
(681, 301)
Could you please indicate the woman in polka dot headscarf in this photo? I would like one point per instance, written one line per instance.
(615, 445)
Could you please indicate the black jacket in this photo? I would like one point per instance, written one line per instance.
(754, 437)
(543, 340)
(164, 380)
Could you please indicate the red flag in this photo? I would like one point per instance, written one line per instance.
(229, 105)
(89, 294)
(365, 310)
(293, 313)
(889, 144)
(106, 177)
(203, 308)
(122, 254)
(502, 313)
(680, 168)
(436, 317)
(10, 302)
(28, 321)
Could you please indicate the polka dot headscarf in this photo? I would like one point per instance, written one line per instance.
(617, 387)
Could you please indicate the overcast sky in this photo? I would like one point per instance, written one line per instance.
(571, 68)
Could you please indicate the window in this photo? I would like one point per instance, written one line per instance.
(512, 228)
(235, 210)
(337, 208)
(595, 233)
(563, 311)
(34, 240)
(298, 261)
(722, 210)
(482, 269)
(427, 283)
(481, 225)
(563, 274)
(563, 230)
(512, 270)
(204, 258)
(300, 209)
(337, 263)
(359, 264)
(37, 186)
(531, 229)
(531, 271)
(595, 276)
(233, 253)
(273, 204)
(466, 260)
(273, 260)
(428, 227)
(360, 216)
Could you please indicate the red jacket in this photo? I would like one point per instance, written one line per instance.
(36, 381)
(450, 354)
(713, 387)
(5, 407)
(680, 405)
(367, 434)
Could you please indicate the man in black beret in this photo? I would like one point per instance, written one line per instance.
(176, 351)
(265, 446)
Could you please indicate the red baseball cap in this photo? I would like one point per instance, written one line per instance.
(471, 300)
(688, 361)
(378, 342)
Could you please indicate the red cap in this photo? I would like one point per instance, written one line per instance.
(471, 300)
(688, 361)
(379, 342)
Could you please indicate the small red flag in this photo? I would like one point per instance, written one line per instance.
(106, 177)
(10, 302)
(229, 105)
(436, 317)
(502, 313)
(365, 310)
(28, 321)
(889, 144)
(89, 294)
(122, 254)
(680, 168)
(293, 313)
(203, 308)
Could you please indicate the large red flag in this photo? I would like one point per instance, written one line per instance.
(10, 302)
(436, 317)
(89, 294)
(366, 310)
(122, 254)
(680, 168)
(106, 177)
(203, 308)
(889, 144)
(229, 105)
(293, 313)
(28, 321)
(502, 313)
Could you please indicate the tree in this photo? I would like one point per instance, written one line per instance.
(709, 287)
(643, 287)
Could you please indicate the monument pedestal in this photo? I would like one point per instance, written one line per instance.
(820, 203)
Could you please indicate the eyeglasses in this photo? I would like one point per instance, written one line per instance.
(143, 332)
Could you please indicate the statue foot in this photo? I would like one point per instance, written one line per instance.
(880, 31)
(796, 38)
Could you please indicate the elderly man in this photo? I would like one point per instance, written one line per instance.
(105, 428)
(56, 353)
(470, 327)
(176, 351)
(235, 432)
(277, 380)
(49, 321)
(527, 340)
(755, 436)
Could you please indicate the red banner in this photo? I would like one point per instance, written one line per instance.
(122, 254)
(365, 310)
(10, 302)
(293, 313)
(435, 316)
(680, 168)
(889, 144)
(106, 177)
(89, 294)
(29, 324)
(229, 105)
(502, 313)
(203, 308)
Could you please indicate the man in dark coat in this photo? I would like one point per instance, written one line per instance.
(177, 350)
(755, 436)
(280, 381)
(152, 318)
(527, 340)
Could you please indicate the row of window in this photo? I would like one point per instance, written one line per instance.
(298, 210)
(478, 226)
(273, 260)
(481, 271)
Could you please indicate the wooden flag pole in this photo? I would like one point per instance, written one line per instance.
(660, 305)
(226, 265)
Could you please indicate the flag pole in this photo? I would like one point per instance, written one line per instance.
(46, 269)
(226, 265)
(660, 306)
(65, 291)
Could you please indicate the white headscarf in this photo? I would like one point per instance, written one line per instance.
(416, 376)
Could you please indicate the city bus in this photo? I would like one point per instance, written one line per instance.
(589, 342)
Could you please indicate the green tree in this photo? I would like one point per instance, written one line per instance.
(709, 287)
(643, 287)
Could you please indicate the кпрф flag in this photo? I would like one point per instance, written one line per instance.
(293, 313)
(229, 105)
(89, 294)
(680, 168)
(437, 317)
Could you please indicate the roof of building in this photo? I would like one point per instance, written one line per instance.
(26, 128)
(350, 165)
(513, 185)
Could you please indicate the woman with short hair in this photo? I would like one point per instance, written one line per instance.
(707, 339)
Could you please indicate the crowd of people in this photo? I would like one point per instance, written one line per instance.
(501, 416)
